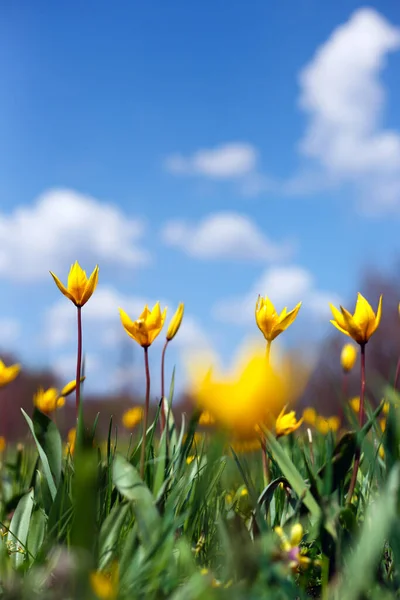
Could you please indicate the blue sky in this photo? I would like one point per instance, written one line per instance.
(195, 152)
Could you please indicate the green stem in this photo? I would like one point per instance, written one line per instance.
(79, 361)
(146, 411)
(361, 422)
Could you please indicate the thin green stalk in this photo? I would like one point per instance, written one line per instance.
(146, 410)
(361, 422)
(79, 361)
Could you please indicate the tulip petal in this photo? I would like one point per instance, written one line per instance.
(352, 327)
(363, 314)
(336, 324)
(375, 324)
(77, 281)
(62, 288)
(90, 285)
(337, 315)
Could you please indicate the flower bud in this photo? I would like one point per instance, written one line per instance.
(348, 357)
(175, 322)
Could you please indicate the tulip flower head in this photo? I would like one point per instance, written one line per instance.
(79, 287)
(105, 585)
(147, 327)
(47, 401)
(269, 322)
(362, 324)
(348, 357)
(175, 323)
(286, 423)
(8, 374)
(310, 416)
(71, 440)
(132, 417)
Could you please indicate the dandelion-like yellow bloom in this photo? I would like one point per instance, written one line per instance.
(147, 327)
(310, 416)
(8, 374)
(362, 324)
(132, 417)
(348, 357)
(286, 423)
(244, 400)
(206, 418)
(105, 585)
(79, 287)
(175, 323)
(269, 322)
(47, 401)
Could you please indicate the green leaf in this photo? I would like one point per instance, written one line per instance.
(293, 476)
(110, 533)
(36, 533)
(129, 483)
(19, 527)
(361, 563)
(51, 446)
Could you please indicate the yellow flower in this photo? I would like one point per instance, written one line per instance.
(70, 387)
(310, 416)
(105, 585)
(8, 374)
(291, 546)
(132, 417)
(206, 418)
(269, 322)
(79, 287)
(244, 446)
(47, 401)
(362, 324)
(190, 459)
(382, 423)
(71, 439)
(147, 327)
(175, 323)
(286, 423)
(244, 492)
(325, 425)
(2, 443)
(348, 357)
(355, 403)
(386, 408)
(381, 452)
(245, 399)
(333, 423)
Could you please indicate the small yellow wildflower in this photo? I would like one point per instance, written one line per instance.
(348, 357)
(269, 322)
(105, 585)
(310, 416)
(355, 404)
(79, 288)
(2, 443)
(176, 321)
(362, 324)
(206, 418)
(8, 374)
(147, 327)
(132, 417)
(286, 423)
(71, 439)
(291, 547)
(324, 425)
(47, 401)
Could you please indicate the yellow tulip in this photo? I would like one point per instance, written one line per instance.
(47, 401)
(206, 418)
(8, 374)
(348, 357)
(79, 287)
(2, 443)
(175, 323)
(132, 417)
(325, 425)
(147, 327)
(362, 324)
(269, 322)
(71, 439)
(246, 399)
(355, 403)
(286, 423)
(70, 387)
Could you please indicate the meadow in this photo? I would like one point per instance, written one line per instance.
(247, 499)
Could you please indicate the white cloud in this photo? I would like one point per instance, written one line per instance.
(344, 100)
(61, 226)
(224, 235)
(226, 161)
(10, 330)
(285, 286)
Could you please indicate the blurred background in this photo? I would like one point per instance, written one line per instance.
(202, 153)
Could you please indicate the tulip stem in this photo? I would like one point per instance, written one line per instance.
(361, 422)
(162, 386)
(265, 460)
(146, 411)
(79, 361)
